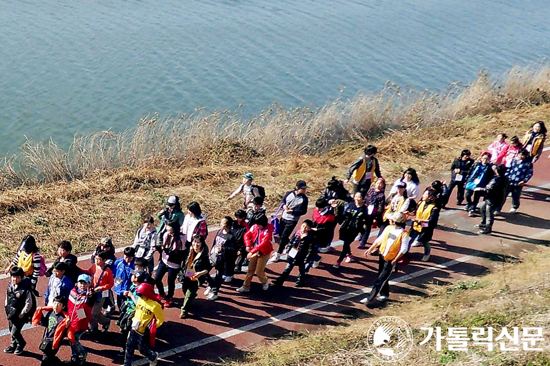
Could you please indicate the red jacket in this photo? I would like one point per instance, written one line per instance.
(259, 241)
(77, 302)
(322, 219)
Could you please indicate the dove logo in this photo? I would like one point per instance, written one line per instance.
(390, 339)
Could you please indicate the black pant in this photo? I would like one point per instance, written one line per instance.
(360, 188)
(230, 257)
(172, 275)
(459, 190)
(120, 300)
(487, 215)
(472, 197)
(15, 327)
(241, 259)
(289, 266)
(346, 248)
(49, 357)
(368, 227)
(287, 227)
(381, 285)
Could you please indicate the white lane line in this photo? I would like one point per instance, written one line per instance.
(304, 310)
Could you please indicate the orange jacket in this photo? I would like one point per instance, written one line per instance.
(59, 330)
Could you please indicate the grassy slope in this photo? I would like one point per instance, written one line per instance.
(112, 203)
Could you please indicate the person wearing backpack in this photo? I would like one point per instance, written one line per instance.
(30, 260)
(248, 189)
(19, 305)
(255, 210)
(145, 241)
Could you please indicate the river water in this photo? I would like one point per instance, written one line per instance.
(71, 66)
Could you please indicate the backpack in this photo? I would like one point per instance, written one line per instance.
(43, 267)
(261, 190)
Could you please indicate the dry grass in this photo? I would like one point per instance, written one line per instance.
(205, 138)
(513, 295)
(106, 181)
(112, 202)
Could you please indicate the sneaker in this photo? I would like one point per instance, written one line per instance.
(415, 243)
(466, 208)
(513, 210)
(265, 286)
(106, 327)
(361, 246)
(9, 349)
(471, 214)
(242, 289)
(496, 213)
(207, 291)
(183, 314)
(228, 279)
(326, 249)
(349, 259)
(336, 265)
(426, 258)
(316, 263)
(109, 310)
(212, 296)
(484, 232)
(479, 226)
(358, 237)
(155, 361)
(299, 284)
(19, 349)
(458, 203)
(382, 298)
(275, 257)
(365, 300)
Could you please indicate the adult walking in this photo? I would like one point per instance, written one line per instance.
(480, 174)
(355, 219)
(533, 141)
(391, 246)
(259, 244)
(172, 254)
(294, 205)
(459, 173)
(364, 170)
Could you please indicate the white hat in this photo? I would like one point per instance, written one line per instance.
(172, 200)
(396, 216)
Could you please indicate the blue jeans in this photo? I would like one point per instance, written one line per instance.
(172, 275)
(136, 341)
(78, 351)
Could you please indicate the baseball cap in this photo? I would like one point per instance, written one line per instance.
(402, 185)
(140, 274)
(301, 184)
(249, 176)
(84, 278)
(172, 200)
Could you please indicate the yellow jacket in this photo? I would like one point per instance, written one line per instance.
(146, 309)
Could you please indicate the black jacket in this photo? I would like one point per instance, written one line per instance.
(495, 190)
(15, 300)
(304, 246)
(463, 165)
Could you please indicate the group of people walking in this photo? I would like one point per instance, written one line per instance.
(79, 298)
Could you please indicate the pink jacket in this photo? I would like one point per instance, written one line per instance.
(508, 154)
(496, 149)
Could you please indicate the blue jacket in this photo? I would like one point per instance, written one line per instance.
(520, 171)
(122, 275)
(66, 286)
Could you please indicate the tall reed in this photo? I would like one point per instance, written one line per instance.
(206, 137)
